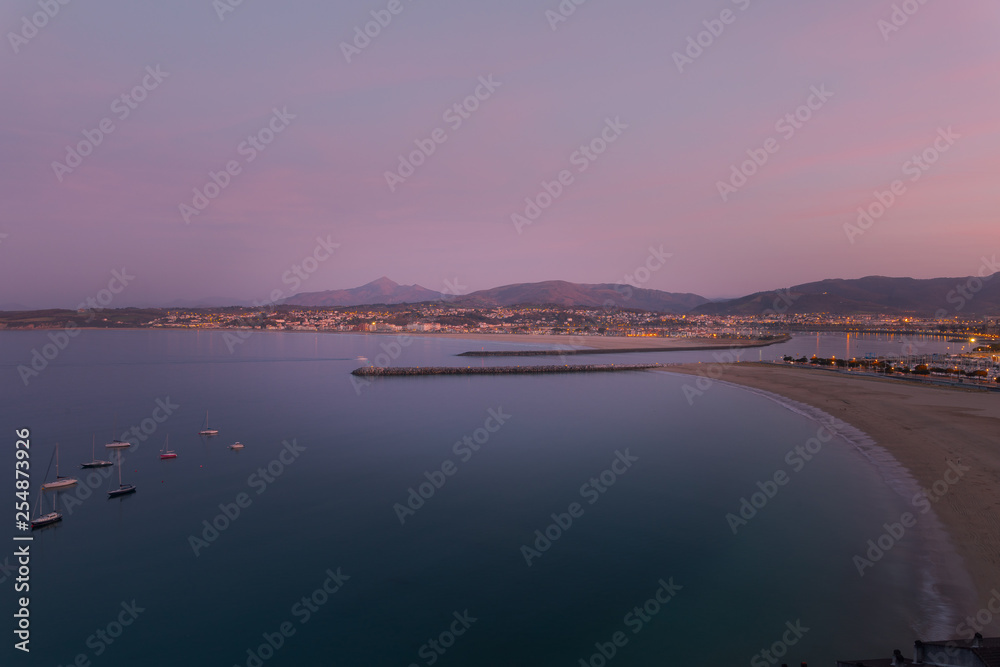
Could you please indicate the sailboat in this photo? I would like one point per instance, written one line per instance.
(116, 443)
(46, 519)
(205, 430)
(41, 520)
(61, 482)
(123, 489)
(236, 445)
(94, 461)
(166, 452)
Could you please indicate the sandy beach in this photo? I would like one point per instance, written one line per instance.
(924, 428)
(598, 342)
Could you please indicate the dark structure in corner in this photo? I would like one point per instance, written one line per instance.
(975, 652)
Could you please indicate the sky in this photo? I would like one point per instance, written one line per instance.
(629, 124)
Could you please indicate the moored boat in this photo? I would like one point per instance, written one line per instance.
(42, 520)
(116, 443)
(205, 430)
(94, 461)
(46, 520)
(61, 482)
(166, 452)
(123, 489)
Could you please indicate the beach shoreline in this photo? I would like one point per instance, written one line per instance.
(928, 430)
(616, 343)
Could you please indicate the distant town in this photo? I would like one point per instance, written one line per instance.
(980, 362)
(441, 317)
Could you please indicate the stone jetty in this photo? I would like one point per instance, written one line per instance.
(403, 371)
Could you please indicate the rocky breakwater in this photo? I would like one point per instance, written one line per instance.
(403, 371)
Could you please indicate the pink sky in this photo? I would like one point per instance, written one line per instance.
(324, 175)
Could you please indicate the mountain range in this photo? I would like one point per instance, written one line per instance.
(872, 294)
(941, 297)
(381, 291)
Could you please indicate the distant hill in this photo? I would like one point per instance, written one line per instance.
(552, 292)
(562, 293)
(873, 294)
(381, 291)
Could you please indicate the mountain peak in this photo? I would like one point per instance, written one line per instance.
(384, 281)
(381, 291)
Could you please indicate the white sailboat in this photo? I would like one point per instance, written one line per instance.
(116, 443)
(94, 461)
(205, 430)
(61, 482)
(52, 517)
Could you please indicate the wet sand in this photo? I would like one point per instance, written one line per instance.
(925, 428)
(599, 342)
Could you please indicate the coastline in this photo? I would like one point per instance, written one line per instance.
(560, 342)
(917, 431)
(613, 343)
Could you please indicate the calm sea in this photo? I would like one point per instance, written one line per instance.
(394, 523)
